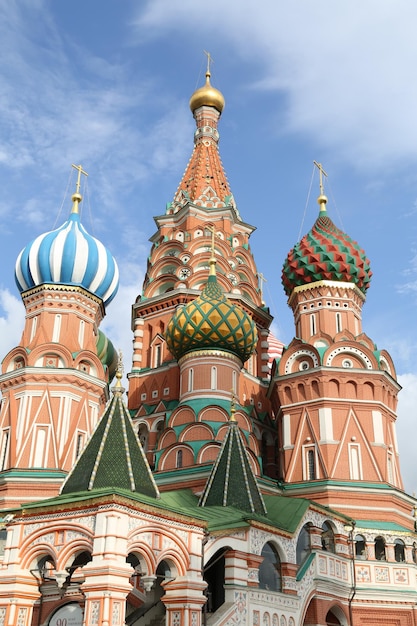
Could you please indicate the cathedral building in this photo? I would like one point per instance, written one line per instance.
(240, 482)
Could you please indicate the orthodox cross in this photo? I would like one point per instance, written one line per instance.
(321, 173)
(209, 60)
(80, 171)
(262, 280)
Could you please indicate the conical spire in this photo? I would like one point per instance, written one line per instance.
(204, 182)
(232, 481)
(114, 457)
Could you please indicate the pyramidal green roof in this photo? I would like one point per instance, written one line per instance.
(113, 457)
(232, 481)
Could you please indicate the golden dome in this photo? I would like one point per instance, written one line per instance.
(207, 96)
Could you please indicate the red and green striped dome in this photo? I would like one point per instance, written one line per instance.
(211, 321)
(326, 253)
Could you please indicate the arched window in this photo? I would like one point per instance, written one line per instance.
(178, 463)
(303, 545)
(399, 551)
(360, 547)
(190, 379)
(380, 549)
(327, 537)
(270, 569)
(143, 436)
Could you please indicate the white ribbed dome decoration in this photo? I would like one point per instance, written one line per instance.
(69, 256)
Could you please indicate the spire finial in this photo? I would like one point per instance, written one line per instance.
(233, 408)
(322, 199)
(213, 253)
(77, 197)
(118, 388)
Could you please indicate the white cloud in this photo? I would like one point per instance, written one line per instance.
(406, 427)
(345, 68)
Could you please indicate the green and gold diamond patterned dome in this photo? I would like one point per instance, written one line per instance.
(326, 253)
(211, 321)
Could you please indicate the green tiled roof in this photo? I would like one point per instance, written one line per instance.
(284, 513)
(113, 457)
(231, 481)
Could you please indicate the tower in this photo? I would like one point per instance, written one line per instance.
(54, 383)
(334, 390)
(182, 379)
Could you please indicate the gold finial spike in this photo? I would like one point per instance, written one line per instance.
(322, 199)
(77, 197)
(233, 408)
(213, 253)
(262, 280)
(118, 388)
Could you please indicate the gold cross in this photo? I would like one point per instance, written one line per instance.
(80, 171)
(322, 172)
(262, 280)
(209, 60)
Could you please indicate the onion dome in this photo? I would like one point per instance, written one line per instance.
(211, 321)
(107, 354)
(326, 253)
(69, 256)
(207, 96)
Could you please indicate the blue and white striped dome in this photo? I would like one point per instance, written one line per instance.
(69, 256)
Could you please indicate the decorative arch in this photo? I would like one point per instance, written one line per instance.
(208, 453)
(169, 459)
(356, 354)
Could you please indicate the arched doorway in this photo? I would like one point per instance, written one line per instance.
(214, 577)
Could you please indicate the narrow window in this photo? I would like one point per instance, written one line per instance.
(158, 355)
(213, 381)
(179, 459)
(190, 379)
(234, 382)
(57, 328)
(313, 324)
(311, 464)
(338, 322)
(79, 445)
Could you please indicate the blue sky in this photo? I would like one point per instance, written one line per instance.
(106, 83)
